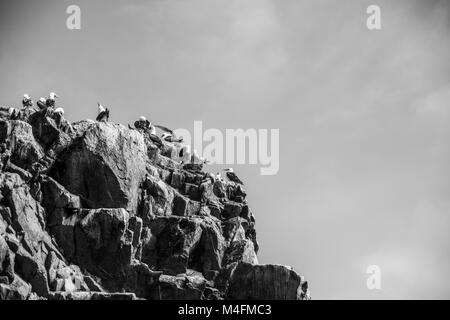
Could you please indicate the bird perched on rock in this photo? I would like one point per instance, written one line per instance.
(26, 101)
(232, 176)
(142, 123)
(152, 129)
(14, 114)
(218, 177)
(59, 110)
(103, 113)
(50, 102)
(170, 138)
(41, 103)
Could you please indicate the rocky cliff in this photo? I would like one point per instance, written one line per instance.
(95, 210)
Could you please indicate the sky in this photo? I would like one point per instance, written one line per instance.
(363, 115)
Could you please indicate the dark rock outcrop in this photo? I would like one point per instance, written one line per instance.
(94, 210)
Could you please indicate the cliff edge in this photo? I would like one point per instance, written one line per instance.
(96, 210)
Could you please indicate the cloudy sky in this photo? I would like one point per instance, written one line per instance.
(363, 115)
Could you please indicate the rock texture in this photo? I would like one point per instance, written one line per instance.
(94, 210)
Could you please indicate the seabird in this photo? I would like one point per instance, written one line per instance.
(59, 110)
(232, 176)
(51, 99)
(41, 103)
(14, 114)
(152, 129)
(170, 138)
(142, 123)
(218, 177)
(26, 101)
(103, 113)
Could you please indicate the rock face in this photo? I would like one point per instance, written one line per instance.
(94, 210)
(104, 166)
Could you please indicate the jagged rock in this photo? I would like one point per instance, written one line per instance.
(177, 180)
(92, 284)
(45, 128)
(55, 196)
(180, 205)
(192, 191)
(264, 282)
(141, 280)
(24, 149)
(27, 215)
(31, 269)
(162, 196)
(241, 250)
(235, 229)
(17, 290)
(232, 209)
(176, 244)
(99, 240)
(186, 287)
(97, 211)
(105, 166)
(6, 262)
(176, 238)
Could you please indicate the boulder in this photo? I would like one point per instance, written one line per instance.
(104, 166)
(264, 282)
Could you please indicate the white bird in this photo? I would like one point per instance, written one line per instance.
(170, 137)
(218, 177)
(103, 113)
(13, 113)
(59, 110)
(232, 176)
(26, 101)
(53, 96)
(152, 129)
(51, 99)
